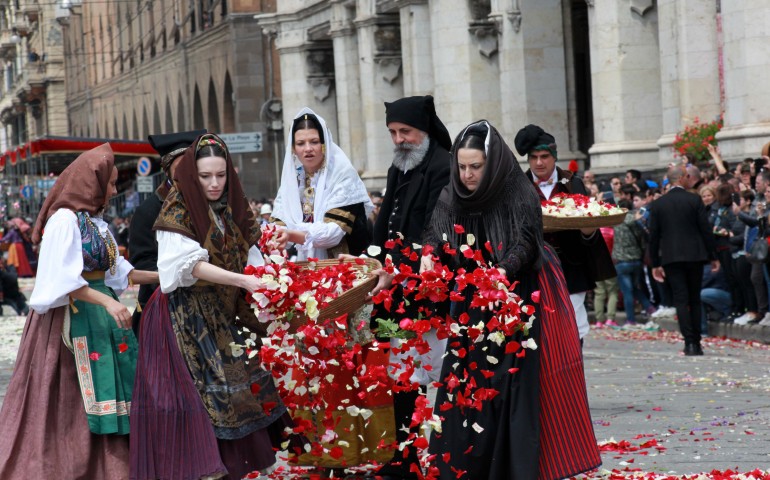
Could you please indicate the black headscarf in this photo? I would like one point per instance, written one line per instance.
(171, 145)
(505, 204)
(420, 113)
(532, 137)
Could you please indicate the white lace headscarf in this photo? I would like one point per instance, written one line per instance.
(338, 185)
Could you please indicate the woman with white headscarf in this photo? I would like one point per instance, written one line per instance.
(322, 200)
(324, 205)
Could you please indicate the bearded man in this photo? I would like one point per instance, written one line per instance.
(419, 172)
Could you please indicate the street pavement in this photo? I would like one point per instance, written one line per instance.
(654, 410)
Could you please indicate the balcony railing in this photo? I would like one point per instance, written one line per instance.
(7, 46)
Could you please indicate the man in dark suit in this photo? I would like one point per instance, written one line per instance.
(681, 241)
(142, 246)
(584, 256)
(419, 172)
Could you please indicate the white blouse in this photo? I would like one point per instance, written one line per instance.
(319, 235)
(60, 263)
(178, 255)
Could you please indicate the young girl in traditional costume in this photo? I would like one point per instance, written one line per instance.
(201, 408)
(66, 413)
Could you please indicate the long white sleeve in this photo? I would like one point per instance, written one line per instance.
(177, 256)
(60, 263)
(320, 236)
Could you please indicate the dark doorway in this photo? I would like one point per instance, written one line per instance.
(582, 59)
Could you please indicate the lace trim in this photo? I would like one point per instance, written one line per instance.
(184, 276)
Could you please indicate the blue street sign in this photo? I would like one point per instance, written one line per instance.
(143, 166)
(26, 191)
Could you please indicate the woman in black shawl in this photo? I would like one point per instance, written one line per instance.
(537, 424)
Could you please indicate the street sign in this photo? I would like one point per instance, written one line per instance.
(248, 142)
(27, 191)
(143, 166)
(145, 185)
(45, 184)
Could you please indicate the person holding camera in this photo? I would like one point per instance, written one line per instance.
(756, 218)
(742, 235)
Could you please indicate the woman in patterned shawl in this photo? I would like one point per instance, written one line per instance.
(51, 425)
(202, 409)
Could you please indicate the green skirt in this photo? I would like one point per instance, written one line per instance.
(105, 359)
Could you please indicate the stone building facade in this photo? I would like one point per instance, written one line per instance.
(32, 96)
(162, 66)
(613, 80)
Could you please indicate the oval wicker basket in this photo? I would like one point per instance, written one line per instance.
(349, 301)
(555, 224)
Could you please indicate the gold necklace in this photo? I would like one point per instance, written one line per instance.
(309, 196)
(112, 249)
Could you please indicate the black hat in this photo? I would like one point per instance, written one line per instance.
(171, 145)
(533, 136)
(420, 113)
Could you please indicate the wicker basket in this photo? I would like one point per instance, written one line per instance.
(555, 224)
(349, 301)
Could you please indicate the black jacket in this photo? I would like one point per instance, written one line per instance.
(583, 260)
(410, 199)
(143, 247)
(680, 230)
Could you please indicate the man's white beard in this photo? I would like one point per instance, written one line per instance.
(406, 156)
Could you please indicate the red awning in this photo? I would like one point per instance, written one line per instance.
(59, 152)
(78, 145)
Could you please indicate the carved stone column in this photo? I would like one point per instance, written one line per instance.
(416, 46)
(465, 63)
(747, 89)
(689, 66)
(296, 93)
(625, 84)
(532, 80)
(351, 134)
(379, 53)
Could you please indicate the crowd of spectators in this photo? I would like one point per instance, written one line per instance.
(735, 198)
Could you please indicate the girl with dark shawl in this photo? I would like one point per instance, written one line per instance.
(201, 409)
(66, 411)
(538, 425)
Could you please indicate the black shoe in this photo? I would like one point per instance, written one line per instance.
(692, 349)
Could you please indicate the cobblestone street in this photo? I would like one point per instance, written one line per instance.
(654, 410)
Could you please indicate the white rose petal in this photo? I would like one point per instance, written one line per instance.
(478, 428)
(530, 343)
(353, 411)
(373, 250)
(471, 239)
